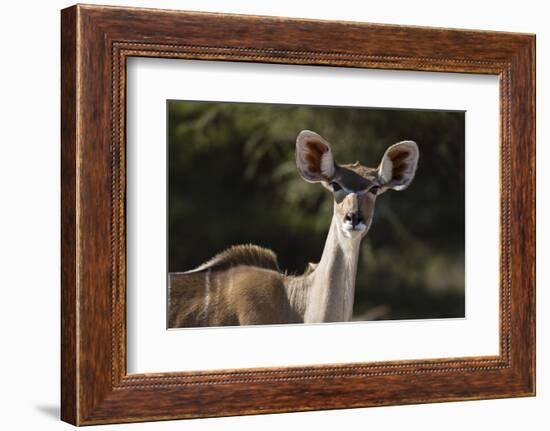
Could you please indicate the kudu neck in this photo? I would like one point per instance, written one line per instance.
(328, 291)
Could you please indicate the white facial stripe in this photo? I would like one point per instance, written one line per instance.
(357, 192)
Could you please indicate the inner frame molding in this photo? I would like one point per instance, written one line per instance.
(152, 81)
(96, 42)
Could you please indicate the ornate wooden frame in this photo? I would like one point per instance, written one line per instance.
(95, 42)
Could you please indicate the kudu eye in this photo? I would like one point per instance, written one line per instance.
(335, 186)
(374, 190)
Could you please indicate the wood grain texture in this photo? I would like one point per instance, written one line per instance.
(69, 366)
(96, 41)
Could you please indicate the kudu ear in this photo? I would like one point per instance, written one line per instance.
(398, 166)
(314, 157)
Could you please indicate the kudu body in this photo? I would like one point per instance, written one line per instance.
(244, 286)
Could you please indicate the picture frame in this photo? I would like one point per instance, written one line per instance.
(96, 42)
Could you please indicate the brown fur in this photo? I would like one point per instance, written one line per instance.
(243, 285)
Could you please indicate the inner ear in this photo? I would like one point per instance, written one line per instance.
(401, 166)
(314, 157)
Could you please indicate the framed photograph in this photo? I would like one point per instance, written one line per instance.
(266, 215)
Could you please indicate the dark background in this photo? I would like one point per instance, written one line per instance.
(233, 180)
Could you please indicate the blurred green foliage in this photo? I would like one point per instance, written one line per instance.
(232, 180)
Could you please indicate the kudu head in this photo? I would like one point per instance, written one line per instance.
(355, 187)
